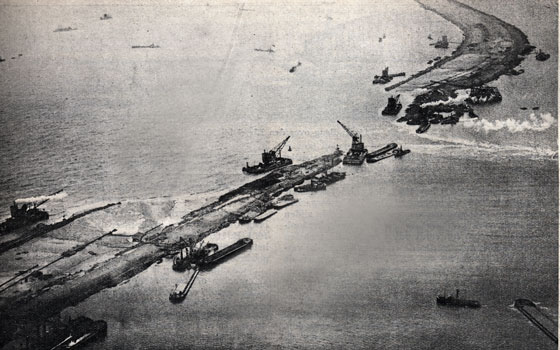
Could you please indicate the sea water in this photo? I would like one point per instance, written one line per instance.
(165, 130)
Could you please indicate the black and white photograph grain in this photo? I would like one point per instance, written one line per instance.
(279, 174)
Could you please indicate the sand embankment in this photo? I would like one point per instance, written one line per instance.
(76, 277)
(491, 48)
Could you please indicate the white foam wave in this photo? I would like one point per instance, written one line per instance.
(534, 123)
(457, 144)
(462, 95)
(41, 198)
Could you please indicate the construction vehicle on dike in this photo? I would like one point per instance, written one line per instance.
(357, 153)
(270, 160)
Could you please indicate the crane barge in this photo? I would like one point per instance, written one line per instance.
(270, 160)
(357, 153)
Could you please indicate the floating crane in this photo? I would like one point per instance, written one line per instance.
(270, 160)
(357, 153)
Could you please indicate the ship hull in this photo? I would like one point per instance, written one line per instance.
(261, 169)
(226, 253)
(356, 159)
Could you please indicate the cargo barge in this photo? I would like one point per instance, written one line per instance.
(381, 151)
(222, 255)
(262, 217)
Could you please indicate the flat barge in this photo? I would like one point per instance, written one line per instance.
(221, 255)
(382, 150)
(262, 217)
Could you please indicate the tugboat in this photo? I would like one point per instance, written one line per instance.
(182, 289)
(105, 16)
(393, 106)
(541, 56)
(357, 153)
(313, 186)
(399, 152)
(423, 128)
(270, 160)
(193, 255)
(442, 43)
(24, 215)
(385, 77)
(450, 300)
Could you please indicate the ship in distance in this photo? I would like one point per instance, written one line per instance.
(450, 300)
(271, 160)
(151, 46)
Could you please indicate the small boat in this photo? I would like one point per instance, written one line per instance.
(152, 46)
(380, 39)
(399, 152)
(105, 16)
(2, 59)
(284, 201)
(262, 217)
(536, 108)
(430, 36)
(313, 186)
(402, 119)
(289, 148)
(541, 56)
(384, 36)
(523, 108)
(442, 43)
(192, 256)
(65, 29)
(450, 300)
(293, 69)
(423, 128)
